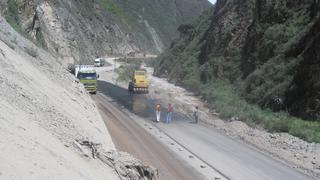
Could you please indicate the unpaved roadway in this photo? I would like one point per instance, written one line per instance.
(130, 137)
(233, 158)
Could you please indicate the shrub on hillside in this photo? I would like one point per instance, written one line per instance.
(224, 98)
(32, 51)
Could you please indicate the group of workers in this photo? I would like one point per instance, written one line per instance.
(170, 111)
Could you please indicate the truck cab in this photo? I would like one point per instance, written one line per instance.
(89, 79)
(99, 62)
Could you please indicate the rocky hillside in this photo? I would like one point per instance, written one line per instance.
(49, 125)
(267, 50)
(80, 30)
(43, 112)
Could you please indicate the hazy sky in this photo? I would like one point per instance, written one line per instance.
(212, 1)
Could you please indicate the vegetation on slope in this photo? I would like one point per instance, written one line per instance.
(12, 17)
(112, 7)
(245, 70)
(127, 68)
(161, 15)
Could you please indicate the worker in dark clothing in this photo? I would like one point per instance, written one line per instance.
(196, 114)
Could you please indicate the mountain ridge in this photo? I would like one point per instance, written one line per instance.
(82, 30)
(264, 52)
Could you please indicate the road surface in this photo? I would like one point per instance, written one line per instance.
(130, 137)
(233, 158)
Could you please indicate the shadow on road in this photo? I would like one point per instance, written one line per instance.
(139, 104)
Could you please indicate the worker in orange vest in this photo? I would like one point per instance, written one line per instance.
(169, 115)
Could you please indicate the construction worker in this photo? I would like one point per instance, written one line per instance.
(158, 112)
(195, 114)
(169, 115)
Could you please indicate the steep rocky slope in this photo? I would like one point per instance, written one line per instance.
(80, 30)
(268, 49)
(49, 124)
(43, 111)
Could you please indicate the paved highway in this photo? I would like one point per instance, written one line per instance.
(233, 158)
(130, 137)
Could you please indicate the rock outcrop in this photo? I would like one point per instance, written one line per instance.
(128, 167)
(304, 92)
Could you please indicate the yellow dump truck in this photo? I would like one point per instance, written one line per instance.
(139, 82)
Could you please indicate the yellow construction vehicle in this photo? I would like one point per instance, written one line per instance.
(139, 82)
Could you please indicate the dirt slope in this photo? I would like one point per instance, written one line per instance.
(42, 112)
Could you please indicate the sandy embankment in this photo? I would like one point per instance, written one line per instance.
(43, 111)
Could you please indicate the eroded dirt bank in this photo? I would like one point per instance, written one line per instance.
(49, 126)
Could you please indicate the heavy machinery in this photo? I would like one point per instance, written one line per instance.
(139, 82)
(88, 77)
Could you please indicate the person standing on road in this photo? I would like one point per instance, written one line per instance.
(169, 115)
(195, 114)
(158, 112)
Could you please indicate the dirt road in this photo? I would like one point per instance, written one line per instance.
(130, 137)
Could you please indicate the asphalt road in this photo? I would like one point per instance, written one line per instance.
(130, 137)
(233, 158)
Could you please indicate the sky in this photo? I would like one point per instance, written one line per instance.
(212, 1)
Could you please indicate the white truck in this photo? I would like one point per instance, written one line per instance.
(99, 62)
